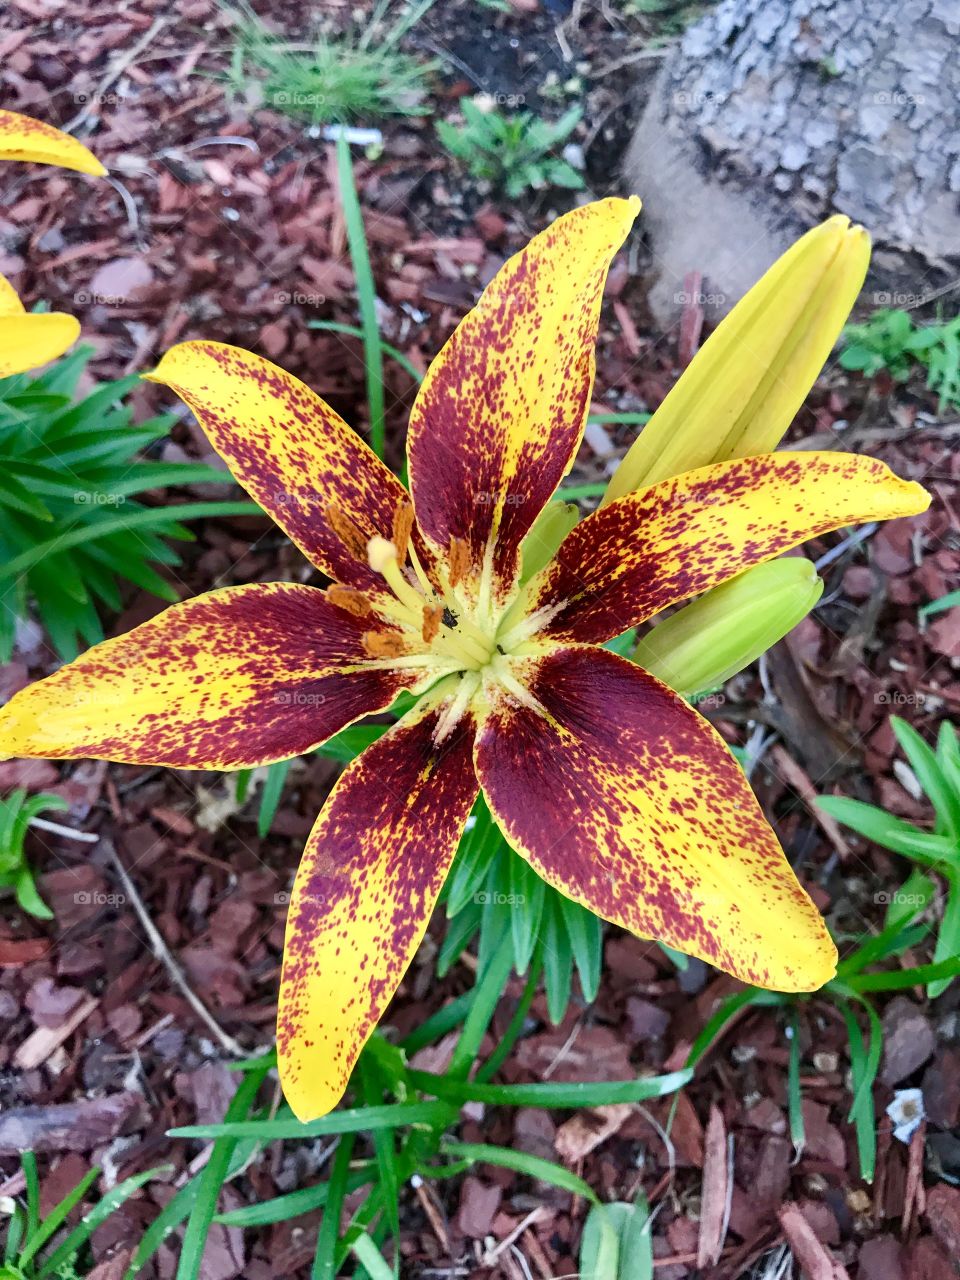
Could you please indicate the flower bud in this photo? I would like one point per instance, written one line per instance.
(705, 643)
(741, 391)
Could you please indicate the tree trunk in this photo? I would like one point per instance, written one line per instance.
(772, 114)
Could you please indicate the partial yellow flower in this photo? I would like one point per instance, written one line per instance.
(28, 340)
(23, 138)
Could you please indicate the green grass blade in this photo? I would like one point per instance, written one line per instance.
(366, 295)
(324, 1261)
(354, 1120)
(521, 1162)
(577, 1094)
(211, 1181)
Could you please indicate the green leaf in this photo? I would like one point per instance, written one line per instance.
(882, 828)
(521, 1162)
(577, 1094)
(355, 1120)
(925, 765)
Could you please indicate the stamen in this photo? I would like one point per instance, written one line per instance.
(402, 528)
(458, 560)
(346, 531)
(432, 617)
(383, 644)
(350, 600)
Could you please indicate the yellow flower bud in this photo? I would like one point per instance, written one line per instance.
(743, 388)
(705, 643)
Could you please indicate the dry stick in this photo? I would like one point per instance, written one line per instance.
(163, 954)
(117, 70)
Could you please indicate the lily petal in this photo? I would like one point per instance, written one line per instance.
(499, 416)
(291, 452)
(29, 340)
(627, 801)
(231, 679)
(370, 876)
(652, 549)
(23, 138)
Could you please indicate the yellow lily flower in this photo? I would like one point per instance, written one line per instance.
(23, 138)
(743, 388)
(29, 340)
(602, 777)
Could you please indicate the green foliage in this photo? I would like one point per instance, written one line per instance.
(407, 1116)
(334, 78)
(17, 810)
(70, 529)
(512, 151)
(491, 891)
(863, 970)
(616, 1243)
(36, 1248)
(891, 340)
(937, 851)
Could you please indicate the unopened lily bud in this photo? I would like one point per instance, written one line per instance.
(741, 391)
(705, 643)
(542, 542)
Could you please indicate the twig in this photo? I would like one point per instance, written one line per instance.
(164, 955)
(113, 75)
(86, 837)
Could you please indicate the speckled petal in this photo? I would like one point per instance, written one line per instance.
(235, 678)
(289, 450)
(627, 801)
(23, 138)
(500, 413)
(371, 872)
(642, 553)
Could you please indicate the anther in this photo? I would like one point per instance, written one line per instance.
(350, 600)
(402, 528)
(383, 644)
(458, 559)
(432, 617)
(346, 531)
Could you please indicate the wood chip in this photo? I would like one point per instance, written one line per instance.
(714, 1198)
(40, 1044)
(813, 1257)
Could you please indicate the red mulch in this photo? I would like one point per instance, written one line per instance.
(228, 226)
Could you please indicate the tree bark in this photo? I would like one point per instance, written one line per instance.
(772, 114)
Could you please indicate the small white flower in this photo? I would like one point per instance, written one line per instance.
(906, 1111)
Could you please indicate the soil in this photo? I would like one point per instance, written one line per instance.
(223, 221)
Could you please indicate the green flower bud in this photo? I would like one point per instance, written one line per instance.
(705, 643)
